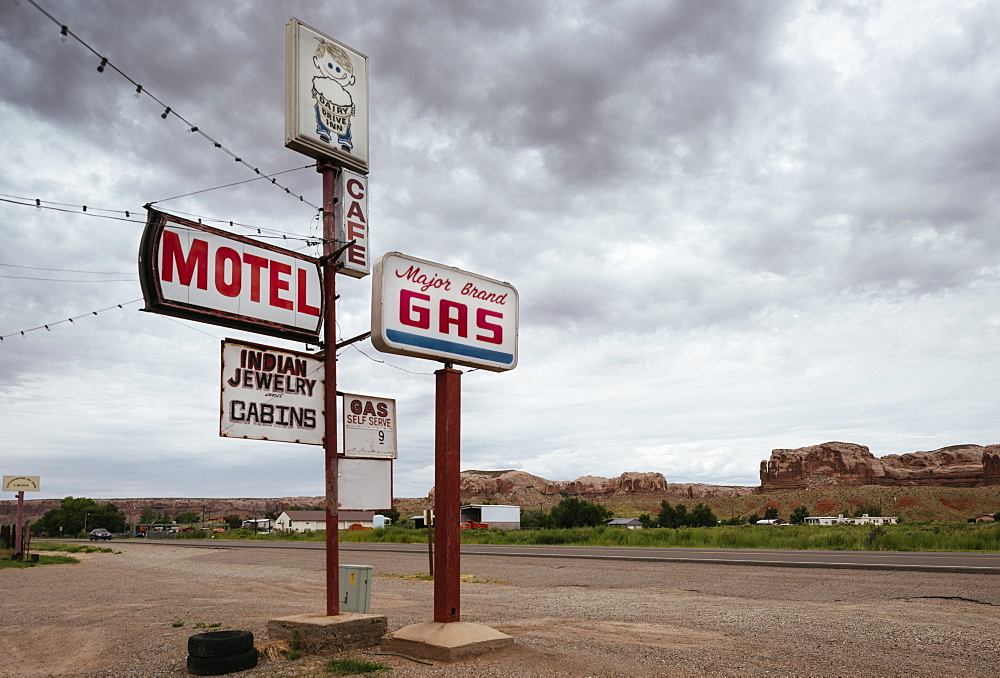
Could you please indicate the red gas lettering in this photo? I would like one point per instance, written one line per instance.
(406, 310)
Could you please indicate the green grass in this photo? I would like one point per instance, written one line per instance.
(903, 537)
(7, 564)
(908, 536)
(353, 667)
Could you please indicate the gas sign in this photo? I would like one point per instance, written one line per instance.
(192, 271)
(271, 394)
(427, 310)
(369, 427)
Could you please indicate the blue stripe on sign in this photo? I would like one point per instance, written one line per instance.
(449, 347)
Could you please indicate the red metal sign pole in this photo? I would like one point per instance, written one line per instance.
(19, 532)
(329, 173)
(447, 499)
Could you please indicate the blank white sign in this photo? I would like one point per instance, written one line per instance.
(364, 484)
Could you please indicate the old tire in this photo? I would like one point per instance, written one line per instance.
(217, 666)
(220, 644)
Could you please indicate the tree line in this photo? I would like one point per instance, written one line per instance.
(77, 515)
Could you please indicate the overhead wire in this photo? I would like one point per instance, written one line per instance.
(235, 183)
(48, 326)
(39, 204)
(67, 270)
(105, 63)
(25, 277)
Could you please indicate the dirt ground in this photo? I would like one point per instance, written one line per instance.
(115, 615)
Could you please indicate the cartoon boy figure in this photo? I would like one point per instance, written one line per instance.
(334, 104)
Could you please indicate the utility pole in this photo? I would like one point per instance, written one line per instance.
(329, 172)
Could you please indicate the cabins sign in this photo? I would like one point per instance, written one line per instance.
(188, 270)
(271, 394)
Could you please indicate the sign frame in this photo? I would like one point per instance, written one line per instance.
(361, 430)
(431, 291)
(21, 484)
(157, 301)
(304, 119)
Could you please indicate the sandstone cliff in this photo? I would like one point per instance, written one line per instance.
(837, 463)
(991, 465)
(524, 489)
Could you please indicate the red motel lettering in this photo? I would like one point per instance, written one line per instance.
(225, 268)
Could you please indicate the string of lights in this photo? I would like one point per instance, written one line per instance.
(49, 326)
(262, 231)
(65, 32)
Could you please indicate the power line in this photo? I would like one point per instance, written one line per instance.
(39, 204)
(68, 320)
(65, 270)
(235, 183)
(65, 32)
(397, 367)
(25, 277)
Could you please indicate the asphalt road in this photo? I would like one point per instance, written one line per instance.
(967, 563)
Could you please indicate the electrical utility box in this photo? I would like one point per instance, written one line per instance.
(355, 588)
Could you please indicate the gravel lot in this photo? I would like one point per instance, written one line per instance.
(113, 615)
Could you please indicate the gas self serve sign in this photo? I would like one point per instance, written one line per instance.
(427, 310)
(369, 427)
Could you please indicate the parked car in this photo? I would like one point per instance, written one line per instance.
(99, 533)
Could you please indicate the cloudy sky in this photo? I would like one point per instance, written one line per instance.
(734, 227)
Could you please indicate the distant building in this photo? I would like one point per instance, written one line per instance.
(862, 520)
(500, 516)
(626, 523)
(302, 521)
(259, 524)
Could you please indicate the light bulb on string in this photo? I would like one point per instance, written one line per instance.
(64, 31)
(138, 91)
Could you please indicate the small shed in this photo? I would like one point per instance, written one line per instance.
(258, 523)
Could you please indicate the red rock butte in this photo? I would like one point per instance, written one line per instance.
(848, 464)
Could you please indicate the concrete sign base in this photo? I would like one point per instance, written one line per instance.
(446, 642)
(326, 636)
